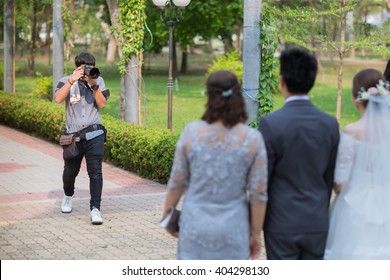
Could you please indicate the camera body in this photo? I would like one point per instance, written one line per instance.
(91, 71)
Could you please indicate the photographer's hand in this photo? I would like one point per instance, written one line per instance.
(63, 92)
(91, 82)
(77, 74)
(97, 93)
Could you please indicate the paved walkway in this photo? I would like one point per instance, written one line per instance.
(32, 226)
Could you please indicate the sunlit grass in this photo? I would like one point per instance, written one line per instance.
(188, 93)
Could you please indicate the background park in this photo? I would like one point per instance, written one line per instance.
(345, 35)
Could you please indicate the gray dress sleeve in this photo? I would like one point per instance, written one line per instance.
(257, 176)
(180, 172)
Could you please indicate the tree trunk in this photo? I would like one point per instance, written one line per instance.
(58, 42)
(31, 57)
(383, 12)
(350, 33)
(48, 39)
(341, 59)
(339, 86)
(122, 99)
(174, 60)
(69, 44)
(251, 57)
(184, 62)
(128, 107)
(111, 47)
(111, 51)
(113, 8)
(239, 41)
(131, 91)
(9, 46)
(140, 59)
(209, 46)
(228, 43)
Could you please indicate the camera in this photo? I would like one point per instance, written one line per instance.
(91, 71)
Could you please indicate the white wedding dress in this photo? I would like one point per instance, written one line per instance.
(360, 214)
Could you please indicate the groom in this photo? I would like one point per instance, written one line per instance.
(301, 145)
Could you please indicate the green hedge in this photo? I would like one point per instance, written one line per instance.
(146, 151)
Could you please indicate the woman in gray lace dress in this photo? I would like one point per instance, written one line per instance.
(220, 164)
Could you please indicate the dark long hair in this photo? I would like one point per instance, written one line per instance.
(229, 109)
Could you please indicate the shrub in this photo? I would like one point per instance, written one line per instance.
(148, 152)
(44, 89)
(1, 76)
(230, 61)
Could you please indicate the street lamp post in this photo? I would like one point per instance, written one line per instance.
(170, 6)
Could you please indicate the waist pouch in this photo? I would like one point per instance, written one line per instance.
(68, 143)
(91, 132)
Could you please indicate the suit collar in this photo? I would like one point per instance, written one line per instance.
(296, 97)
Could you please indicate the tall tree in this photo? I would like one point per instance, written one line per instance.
(127, 19)
(112, 45)
(218, 18)
(323, 27)
(58, 42)
(9, 46)
(251, 56)
(39, 13)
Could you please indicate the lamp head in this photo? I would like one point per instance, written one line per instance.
(160, 3)
(181, 3)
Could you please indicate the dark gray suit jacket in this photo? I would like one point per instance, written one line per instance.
(302, 144)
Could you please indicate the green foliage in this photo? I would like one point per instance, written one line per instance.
(230, 61)
(131, 19)
(318, 27)
(148, 152)
(269, 78)
(205, 18)
(145, 151)
(1, 75)
(31, 114)
(80, 22)
(44, 88)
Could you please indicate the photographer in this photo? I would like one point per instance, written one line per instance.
(84, 93)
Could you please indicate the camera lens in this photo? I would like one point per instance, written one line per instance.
(94, 73)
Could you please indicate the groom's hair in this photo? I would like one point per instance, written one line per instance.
(298, 68)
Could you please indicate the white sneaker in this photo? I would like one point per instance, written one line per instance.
(96, 219)
(66, 205)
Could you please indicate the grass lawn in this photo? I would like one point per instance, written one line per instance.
(188, 97)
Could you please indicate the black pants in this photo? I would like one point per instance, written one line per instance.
(295, 246)
(93, 150)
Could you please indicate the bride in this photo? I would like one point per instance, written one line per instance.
(360, 215)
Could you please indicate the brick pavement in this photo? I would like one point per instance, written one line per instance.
(32, 226)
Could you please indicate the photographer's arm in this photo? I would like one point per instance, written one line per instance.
(62, 93)
(99, 98)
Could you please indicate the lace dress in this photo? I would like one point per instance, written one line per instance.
(360, 215)
(219, 167)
